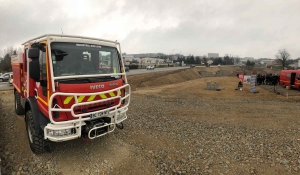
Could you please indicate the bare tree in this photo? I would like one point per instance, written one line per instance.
(9, 50)
(205, 60)
(5, 64)
(237, 60)
(20, 50)
(282, 56)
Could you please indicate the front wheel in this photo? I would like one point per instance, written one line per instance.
(35, 137)
(1, 79)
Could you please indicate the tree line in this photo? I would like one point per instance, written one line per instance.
(5, 58)
(282, 56)
(226, 60)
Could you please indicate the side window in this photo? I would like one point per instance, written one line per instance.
(104, 58)
(116, 62)
(25, 62)
(42, 60)
(43, 72)
(298, 76)
(109, 59)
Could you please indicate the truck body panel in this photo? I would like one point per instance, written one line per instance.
(290, 78)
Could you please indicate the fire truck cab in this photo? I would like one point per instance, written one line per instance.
(64, 91)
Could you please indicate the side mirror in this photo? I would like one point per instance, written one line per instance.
(34, 70)
(34, 53)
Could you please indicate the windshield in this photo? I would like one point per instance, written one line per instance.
(70, 59)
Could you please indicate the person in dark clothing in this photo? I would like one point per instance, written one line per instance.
(240, 85)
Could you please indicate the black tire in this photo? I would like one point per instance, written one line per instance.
(35, 137)
(1, 80)
(18, 107)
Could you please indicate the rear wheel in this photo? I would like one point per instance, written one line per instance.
(18, 107)
(1, 79)
(35, 137)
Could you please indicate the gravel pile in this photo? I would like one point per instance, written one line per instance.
(208, 148)
(13, 158)
(164, 136)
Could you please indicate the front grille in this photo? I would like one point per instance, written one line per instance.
(92, 108)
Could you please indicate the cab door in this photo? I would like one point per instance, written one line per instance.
(42, 86)
(297, 81)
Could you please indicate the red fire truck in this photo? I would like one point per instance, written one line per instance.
(64, 92)
(290, 78)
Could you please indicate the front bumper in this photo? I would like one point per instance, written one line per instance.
(65, 132)
(90, 127)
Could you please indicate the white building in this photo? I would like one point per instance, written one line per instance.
(294, 65)
(213, 55)
(210, 61)
(148, 60)
(128, 58)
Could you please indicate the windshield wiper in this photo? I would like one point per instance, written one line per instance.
(105, 78)
(76, 80)
(88, 79)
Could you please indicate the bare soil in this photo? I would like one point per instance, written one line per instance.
(175, 126)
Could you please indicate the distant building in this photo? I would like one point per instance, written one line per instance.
(174, 57)
(294, 65)
(245, 59)
(148, 60)
(249, 58)
(144, 55)
(262, 59)
(266, 61)
(273, 63)
(213, 55)
(210, 61)
(128, 58)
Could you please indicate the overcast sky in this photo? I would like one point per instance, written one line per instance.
(247, 28)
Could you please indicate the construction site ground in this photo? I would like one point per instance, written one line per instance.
(175, 126)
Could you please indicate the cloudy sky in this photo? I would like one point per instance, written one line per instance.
(246, 28)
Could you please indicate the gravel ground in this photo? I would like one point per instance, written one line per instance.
(169, 136)
(283, 91)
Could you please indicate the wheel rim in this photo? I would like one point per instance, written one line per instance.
(29, 132)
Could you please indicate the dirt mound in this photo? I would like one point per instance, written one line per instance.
(177, 76)
(162, 78)
(259, 70)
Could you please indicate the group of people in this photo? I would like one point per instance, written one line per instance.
(262, 79)
(267, 79)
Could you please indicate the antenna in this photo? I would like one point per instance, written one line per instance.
(62, 31)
